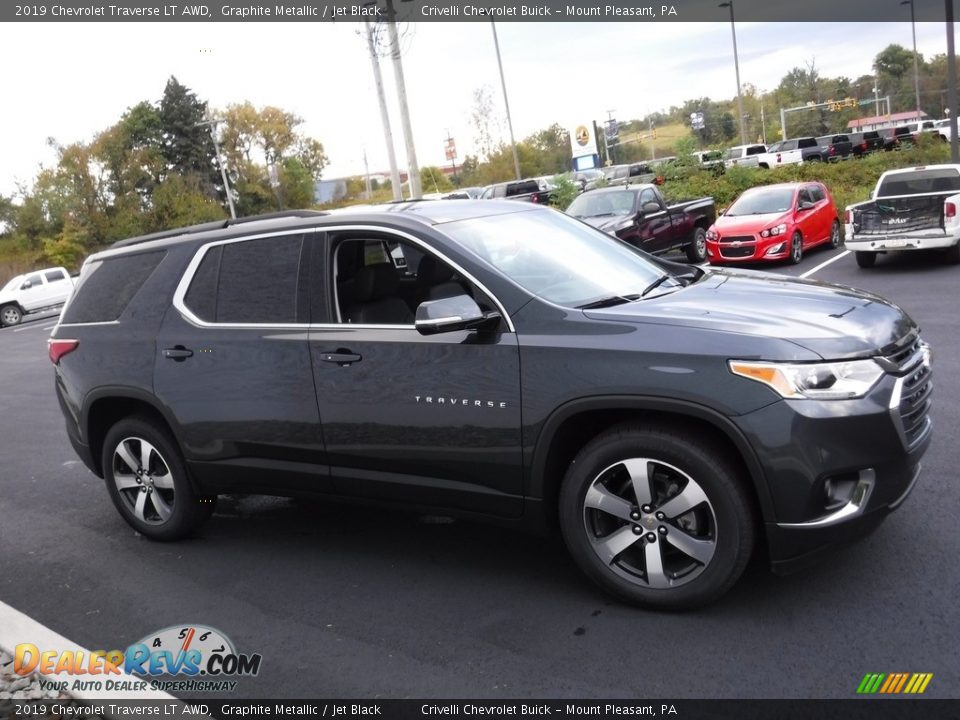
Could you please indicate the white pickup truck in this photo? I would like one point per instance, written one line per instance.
(912, 209)
(34, 292)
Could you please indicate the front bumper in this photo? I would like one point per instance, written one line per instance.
(749, 248)
(834, 469)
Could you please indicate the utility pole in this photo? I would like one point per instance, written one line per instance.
(223, 170)
(506, 102)
(653, 145)
(916, 61)
(736, 66)
(384, 115)
(416, 191)
(952, 83)
(366, 171)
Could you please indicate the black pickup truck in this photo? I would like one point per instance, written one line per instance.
(639, 215)
(528, 190)
(835, 147)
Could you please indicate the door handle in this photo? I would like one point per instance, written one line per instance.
(340, 357)
(178, 353)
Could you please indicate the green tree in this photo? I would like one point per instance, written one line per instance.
(434, 180)
(185, 143)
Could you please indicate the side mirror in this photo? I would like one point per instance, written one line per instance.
(650, 207)
(806, 205)
(459, 312)
(26, 285)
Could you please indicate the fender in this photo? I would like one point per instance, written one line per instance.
(537, 479)
(122, 391)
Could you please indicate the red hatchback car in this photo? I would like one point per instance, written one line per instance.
(774, 222)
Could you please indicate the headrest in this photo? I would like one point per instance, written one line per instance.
(432, 271)
(375, 281)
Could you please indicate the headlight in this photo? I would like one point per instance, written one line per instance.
(712, 234)
(814, 381)
(774, 231)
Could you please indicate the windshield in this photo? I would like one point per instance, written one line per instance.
(13, 283)
(762, 202)
(556, 257)
(602, 203)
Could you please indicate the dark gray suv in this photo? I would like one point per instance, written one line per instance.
(500, 361)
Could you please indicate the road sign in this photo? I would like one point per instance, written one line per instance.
(696, 120)
(450, 148)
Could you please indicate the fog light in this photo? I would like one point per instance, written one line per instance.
(776, 249)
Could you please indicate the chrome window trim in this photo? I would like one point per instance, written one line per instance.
(187, 278)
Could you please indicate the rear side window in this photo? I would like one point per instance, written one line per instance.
(55, 275)
(108, 287)
(253, 281)
(756, 150)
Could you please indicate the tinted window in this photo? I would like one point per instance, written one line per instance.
(258, 281)
(55, 275)
(919, 182)
(108, 286)
(201, 296)
(756, 150)
(816, 193)
(808, 142)
(34, 280)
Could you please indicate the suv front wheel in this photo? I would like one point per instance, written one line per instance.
(656, 518)
(148, 483)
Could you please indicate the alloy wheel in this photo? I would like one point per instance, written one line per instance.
(650, 523)
(143, 480)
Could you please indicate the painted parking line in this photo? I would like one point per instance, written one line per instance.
(38, 326)
(822, 265)
(17, 628)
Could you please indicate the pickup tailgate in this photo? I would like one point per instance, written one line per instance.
(915, 215)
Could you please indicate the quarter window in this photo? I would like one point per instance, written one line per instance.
(249, 282)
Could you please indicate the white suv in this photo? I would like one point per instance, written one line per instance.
(34, 292)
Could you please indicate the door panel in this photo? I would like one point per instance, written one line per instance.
(427, 420)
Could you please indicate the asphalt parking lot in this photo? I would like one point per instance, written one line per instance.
(352, 602)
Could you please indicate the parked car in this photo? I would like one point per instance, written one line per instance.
(744, 155)
(668, 419)
(835, 147)
(588, 179)
(792, 152)
(911, 209)
(773, 223)
(943, 129)
(639, 172)
(710, 158)
(867, 142)
(639, 215)
(467, 193)
(528, 190)
(34, 292)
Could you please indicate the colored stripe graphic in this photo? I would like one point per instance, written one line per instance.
(894, 683)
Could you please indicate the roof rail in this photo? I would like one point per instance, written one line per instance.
(215, 225)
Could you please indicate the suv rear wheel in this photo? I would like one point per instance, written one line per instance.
(148, 483)
(656, 518)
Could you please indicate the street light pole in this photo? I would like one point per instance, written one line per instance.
(952, 83)
(416, 192)
(506, 102)
(384, 114)
(223, 170)
(736, 65)
(916, 58)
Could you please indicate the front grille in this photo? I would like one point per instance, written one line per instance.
(915, 382)
(736, 238)
(915, 403)
(737, 252)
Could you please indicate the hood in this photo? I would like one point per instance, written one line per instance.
(607, 223)
(748, 224)
(833, 321)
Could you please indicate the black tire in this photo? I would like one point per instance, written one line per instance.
(836, 234)
(814, 158)
(677, 467)
(697, 249)
(796, 248)
(10, 315)
(952, 255)
(169, 509)
(865, 259)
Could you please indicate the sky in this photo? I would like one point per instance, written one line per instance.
(70, 80)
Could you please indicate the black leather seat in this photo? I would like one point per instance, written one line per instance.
(435, 280)
(375, 300)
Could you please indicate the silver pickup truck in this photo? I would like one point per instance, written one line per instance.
(34, 292)
(912, 209)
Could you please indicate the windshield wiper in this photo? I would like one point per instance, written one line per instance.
(656, 283)
(609, 301)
